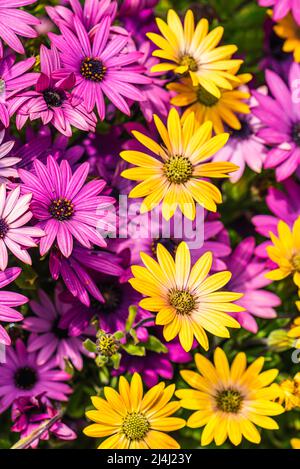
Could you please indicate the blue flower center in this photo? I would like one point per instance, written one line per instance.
(54, 97)
(92, 69)
(3, 228)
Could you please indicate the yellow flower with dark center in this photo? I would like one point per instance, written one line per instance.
(132, 420)
(194, 51)
(175, 174)
(207, 107)
(186, 299)
(230, 401)
(285, 252)
(289, 30)
(294, 332)
(289, 392)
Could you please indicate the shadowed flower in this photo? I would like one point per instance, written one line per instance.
(289, 30)
(8, 300)
(133, 421)
(186, 299)
(7, 162)
(14, 236)
(230, 401)
(65, 206)
(21, 376)
(175, 172)
(282, 7)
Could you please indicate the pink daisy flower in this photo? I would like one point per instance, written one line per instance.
(14, 236)
(65, 206)
(100, 65)
(14, 22)
(51, 101)
(8, 300)
(13, 79)
(7, 163)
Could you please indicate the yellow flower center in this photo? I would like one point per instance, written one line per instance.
(135, 426)
(229, 400)
(190, 62)
(107, 345)
(61, 209)
(296, 262)
(206, 98)
(183, 301)
(178, 169)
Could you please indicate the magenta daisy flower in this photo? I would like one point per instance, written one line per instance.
(65, 206)
(14, 22)
(7, 162)
(14, 236)
(48, 338)
(90, 14)
(21, 375)
(101, 66)
(13, 79)
(51, 101)
(280, 116)
(8, 300)
(282, 7)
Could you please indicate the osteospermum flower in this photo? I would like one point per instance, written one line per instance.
(289, 30)
(230, 401)
(194, 50)
(101, 66)
(21, 375)
(207, 107)
(186, 299)
(173, 175)
(285, 252)
(282, 7)
(133, 421)
(294, 332)
(7, 163)
(14, 236)
(51, 100)
(14, 22)
(8, 300)
(289, 392)
(280, 119)
(65, 206)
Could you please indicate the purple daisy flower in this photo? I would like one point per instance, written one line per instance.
(244, 147)
(14, 236)
(22, 376)
(282, 7)
(7, 160)
(79, 269)
(65, 206)
(14, 22)
(48, 338)
(28, 414)
(90, 14)
(13, 79)
(100, 65)
(248, 277)
(51, 101)
(280, 116)
(284, 206)
(8, 301)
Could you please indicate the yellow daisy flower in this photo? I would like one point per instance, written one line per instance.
(229, 401)
(186, 299)
(208, 107)
(133, 421)
(289, 392)
(294, 332)
(285, 252)
(295, 443)
(174, 174)
(289, 30)
(194, 50)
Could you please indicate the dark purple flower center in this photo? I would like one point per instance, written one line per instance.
(244, 132)
(3, 228)
(169, 243)
(61, 209)
(54, 97)
(25, 378)
(92, 69)
(58, 331)
(296, 134)
(113, 296)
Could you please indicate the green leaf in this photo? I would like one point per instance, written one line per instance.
(116, 358)
(131, 318)
(155, 345)
(134, 350)
(90, 346)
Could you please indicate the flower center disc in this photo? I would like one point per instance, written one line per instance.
(296, 134)
(178, 169)
(183, 301)
(61, 209)
(54, 98)
(135, 426)
(296, 262)
(189, 62)
(3, 228)
(229, 400)
(92, 69)
(25, 378)
(206, 98)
